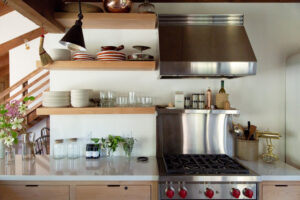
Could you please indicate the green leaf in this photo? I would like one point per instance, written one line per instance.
(3, 111)
(95, 140)
(31, 98)
(14, 134)
(16, 141)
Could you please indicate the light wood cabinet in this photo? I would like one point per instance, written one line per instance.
(280, 190)
(34, 192)
(113, 192)
(78, 190)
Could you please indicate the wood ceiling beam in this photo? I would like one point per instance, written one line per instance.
(40, 12)
(4, 9)
(4, 60)
(5, 47)
(4, 71)
(203, 1)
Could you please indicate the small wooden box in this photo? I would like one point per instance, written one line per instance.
(220, 100)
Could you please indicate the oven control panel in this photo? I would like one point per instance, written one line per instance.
(182, 190)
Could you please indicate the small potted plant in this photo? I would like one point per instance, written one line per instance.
(12, 123)
(111, 144)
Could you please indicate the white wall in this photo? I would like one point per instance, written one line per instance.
(273, 30)
(292, 110)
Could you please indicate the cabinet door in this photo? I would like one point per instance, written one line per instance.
(114, 192)
(34, 192)
(280, 191)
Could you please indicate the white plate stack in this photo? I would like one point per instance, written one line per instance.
(111, 56)
(80, 98)
(56, 99)
(82, 56)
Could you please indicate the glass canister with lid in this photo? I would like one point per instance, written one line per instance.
(59, 151)
(73, 148)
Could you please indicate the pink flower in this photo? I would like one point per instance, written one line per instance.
(12, 108)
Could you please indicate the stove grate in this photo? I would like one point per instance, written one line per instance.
(189, 164)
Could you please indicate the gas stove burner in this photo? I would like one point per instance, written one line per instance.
(202, 164)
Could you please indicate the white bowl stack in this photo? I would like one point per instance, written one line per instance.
(60, 54)
(80, 98)
(56, 99)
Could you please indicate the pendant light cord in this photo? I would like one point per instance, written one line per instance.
(80, 16)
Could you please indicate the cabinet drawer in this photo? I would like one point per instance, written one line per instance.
(34, 192)
(113, 192)
(280, 191)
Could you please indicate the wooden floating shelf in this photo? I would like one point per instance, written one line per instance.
(95, 110)
(101, 65)
(109, 20)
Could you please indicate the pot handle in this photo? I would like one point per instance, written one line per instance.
(120, 48)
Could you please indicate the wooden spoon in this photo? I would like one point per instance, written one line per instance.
(252, 131)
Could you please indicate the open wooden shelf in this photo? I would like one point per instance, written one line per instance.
(109, 20)
(95, 110)
(101, 65)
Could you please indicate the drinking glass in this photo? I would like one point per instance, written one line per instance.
(149, 101)
(122, 101)
(139, 101)
(103, 99)
(110, 99)
(146, 101)
(132, 98)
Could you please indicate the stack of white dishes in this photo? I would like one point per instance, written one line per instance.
(56, 99)
(111, 55)
(82, 56)
(80, 98)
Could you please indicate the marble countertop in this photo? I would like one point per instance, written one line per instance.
(278, 171)
(44, 168)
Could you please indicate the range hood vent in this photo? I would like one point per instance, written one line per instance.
(204, 46)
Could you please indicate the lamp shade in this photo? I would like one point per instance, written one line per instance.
(73, 39)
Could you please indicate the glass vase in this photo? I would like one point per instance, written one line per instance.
(128, 146)
(105, 152)
(10, 155)
(2, 149)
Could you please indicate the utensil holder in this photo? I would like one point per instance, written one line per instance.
(247, 149)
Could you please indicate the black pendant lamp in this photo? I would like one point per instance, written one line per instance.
(73, 39)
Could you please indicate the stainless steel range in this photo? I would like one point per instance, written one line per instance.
(195, 151)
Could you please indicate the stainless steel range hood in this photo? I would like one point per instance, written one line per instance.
(204, 46)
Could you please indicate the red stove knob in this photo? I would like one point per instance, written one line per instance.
(235, 193)
(209, 193)
(182, 192)
(170, 192)
(248, 193)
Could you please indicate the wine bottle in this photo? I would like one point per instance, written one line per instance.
(222, 90)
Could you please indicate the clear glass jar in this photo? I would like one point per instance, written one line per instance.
(146, 7)
(59, 151)
(27, 147)
(10, 155)
(73, 149)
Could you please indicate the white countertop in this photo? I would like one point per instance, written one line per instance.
(278, 171)
(45, 168)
